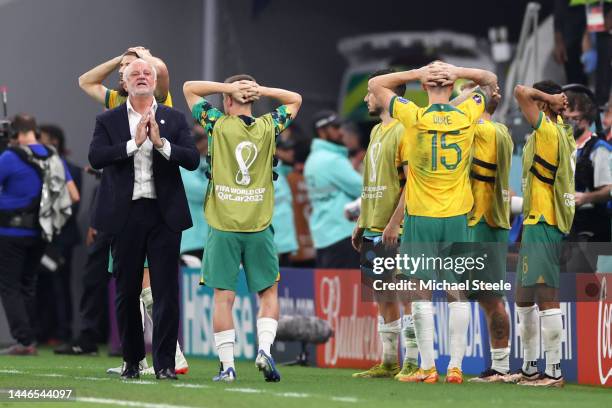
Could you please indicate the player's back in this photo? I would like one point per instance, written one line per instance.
(438, 144)
(241, 195)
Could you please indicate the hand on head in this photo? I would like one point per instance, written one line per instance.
(245, 91)
(439, 73)
(558, 103)
(140, 51)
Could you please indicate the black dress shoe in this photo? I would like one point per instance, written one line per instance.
(166, 374)
(131, 371)
(77, 349)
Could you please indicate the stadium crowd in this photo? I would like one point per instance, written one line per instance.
(319, 203)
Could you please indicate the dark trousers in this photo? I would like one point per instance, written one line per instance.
(93, 306)
(573, 30)
(603, 73)
(19, 260)
(54, 295)
(339, 255)
(146, 234)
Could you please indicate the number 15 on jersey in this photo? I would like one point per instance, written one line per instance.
(447, 154)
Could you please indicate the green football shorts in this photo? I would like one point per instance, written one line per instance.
(437, 241)
(539, 257)
(225, 251)
(495, 250)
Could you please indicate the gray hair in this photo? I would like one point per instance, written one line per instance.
(129, 68)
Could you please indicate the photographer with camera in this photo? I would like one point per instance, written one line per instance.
(36, 194)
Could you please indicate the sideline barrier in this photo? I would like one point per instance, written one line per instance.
(334, 295)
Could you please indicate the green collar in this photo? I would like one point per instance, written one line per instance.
(442, 107)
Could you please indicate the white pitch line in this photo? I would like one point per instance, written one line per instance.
(344, 399)
(190, 386)
(245, 390)
(292, 394)
(92, 378)
(140, 382)
(11, 372)
(50, 375)
(122, 403)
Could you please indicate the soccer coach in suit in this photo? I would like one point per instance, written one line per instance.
(142, 203)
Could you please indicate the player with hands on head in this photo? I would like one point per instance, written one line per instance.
(436, 151)
(239, 205)
(378, 229)
(549, 160)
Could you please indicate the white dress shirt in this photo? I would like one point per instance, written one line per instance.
(144, 187)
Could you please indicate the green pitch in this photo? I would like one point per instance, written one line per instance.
(299, 387)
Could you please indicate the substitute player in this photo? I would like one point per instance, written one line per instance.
(489, 222)
(239, 205)
(437, 147)
(92, 83)
(378, 228)
(549, 160)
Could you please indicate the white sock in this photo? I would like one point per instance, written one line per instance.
(389, 333)
(422, 313)
(551, 321)
(500, 360)
(530, 336)
(266, 332)
(458, 322)
(143, 363)
(146, 296)
(179, 359)
(224, 341)
(146, 311)
(411, 354)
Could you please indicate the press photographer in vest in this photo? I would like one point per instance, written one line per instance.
(593, 175)
(36, 194)
(593, 184)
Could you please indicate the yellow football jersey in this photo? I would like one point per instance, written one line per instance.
(485, 150)
(542, 194)
(114, 99)
(437, 147)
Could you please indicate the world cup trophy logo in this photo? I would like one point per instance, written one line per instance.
(374, 155)
(246, 153)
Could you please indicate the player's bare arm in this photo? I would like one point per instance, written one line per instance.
(243, 91)
(91, 81)
(465, 93)
(528, 99)
(356, 237)
(486, 80)
(382, 86)
(292, 100)
(391, 232)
